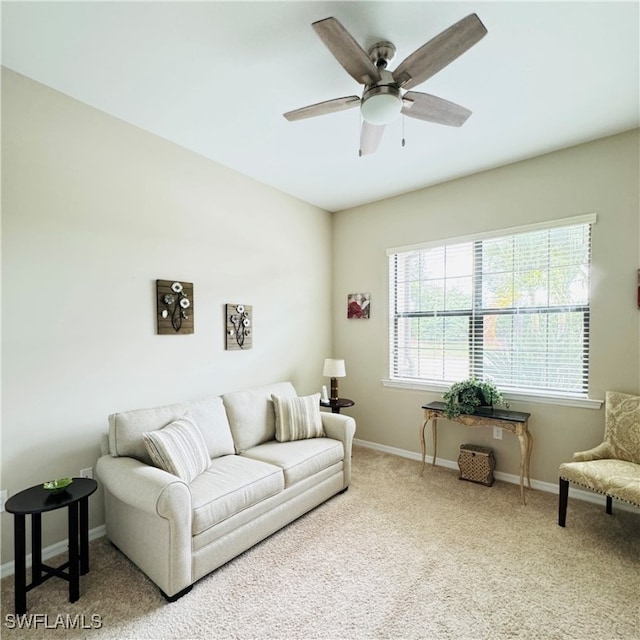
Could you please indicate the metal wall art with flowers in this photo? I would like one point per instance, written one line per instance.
(175, 306)
(239, 326)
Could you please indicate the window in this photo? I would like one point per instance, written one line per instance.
(512, 306)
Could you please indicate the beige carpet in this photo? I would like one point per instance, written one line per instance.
(397, 556)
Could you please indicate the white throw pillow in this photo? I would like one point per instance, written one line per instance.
(179, 448)
(297, 418)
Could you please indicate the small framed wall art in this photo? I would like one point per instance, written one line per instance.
(358, 306)
(174, 306)
(239, 326)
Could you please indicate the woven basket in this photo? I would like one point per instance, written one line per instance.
(476, 464)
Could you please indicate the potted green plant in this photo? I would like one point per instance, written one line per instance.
(466, 396)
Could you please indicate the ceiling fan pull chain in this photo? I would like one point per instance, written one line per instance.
(403, 140)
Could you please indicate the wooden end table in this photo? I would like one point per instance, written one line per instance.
(336, 405)
(34, 502)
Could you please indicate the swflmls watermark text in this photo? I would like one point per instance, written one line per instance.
(59, 621)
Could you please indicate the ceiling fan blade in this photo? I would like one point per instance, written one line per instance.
(439, 52)
(370, 137)
(322, 108)
(347, 51)
(433, 109)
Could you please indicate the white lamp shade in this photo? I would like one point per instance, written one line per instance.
(334, 368)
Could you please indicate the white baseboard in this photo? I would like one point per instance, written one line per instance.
(9, 568)
(549, 487)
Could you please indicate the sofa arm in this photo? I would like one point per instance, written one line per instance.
(144, 487)
(603, 450)
(341, 428)
(148, 513)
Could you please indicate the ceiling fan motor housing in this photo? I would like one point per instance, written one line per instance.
(381, 54)
(381, 102)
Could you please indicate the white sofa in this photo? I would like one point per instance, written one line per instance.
(178, 531)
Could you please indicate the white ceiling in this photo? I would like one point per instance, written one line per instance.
(216, 77)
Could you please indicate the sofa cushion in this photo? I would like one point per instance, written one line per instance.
(231, 484)
(126, 428)
(211, 417)
(178, 448)
(251, 414)
(297, 418)
(298, 459)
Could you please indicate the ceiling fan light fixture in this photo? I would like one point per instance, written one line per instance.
(381, 105)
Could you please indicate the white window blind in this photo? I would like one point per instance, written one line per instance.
(513, 308)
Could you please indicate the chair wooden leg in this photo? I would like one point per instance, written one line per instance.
(563, 497)
(609, 505)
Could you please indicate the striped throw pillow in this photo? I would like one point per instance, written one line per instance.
(179, 448)
(297, 418)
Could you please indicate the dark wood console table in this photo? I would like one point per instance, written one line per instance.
(514, 421)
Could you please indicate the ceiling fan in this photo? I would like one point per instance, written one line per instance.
(386, 94)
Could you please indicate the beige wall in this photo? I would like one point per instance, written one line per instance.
(599, 177)
(93, 211)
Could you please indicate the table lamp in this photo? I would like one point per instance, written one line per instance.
(334, 369)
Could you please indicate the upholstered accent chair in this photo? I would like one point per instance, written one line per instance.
(613, 467)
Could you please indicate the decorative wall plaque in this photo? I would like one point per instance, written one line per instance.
(359, 305)
(239, 326)
(174, 301)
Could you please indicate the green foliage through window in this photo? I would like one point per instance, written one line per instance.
(511, 308)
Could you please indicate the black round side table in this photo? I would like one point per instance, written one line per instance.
(34, 502)
(336, 405)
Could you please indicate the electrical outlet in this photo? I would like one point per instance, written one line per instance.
(3, 499)
(86, 473)
(497, 433)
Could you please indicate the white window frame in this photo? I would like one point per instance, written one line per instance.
(545, 397)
